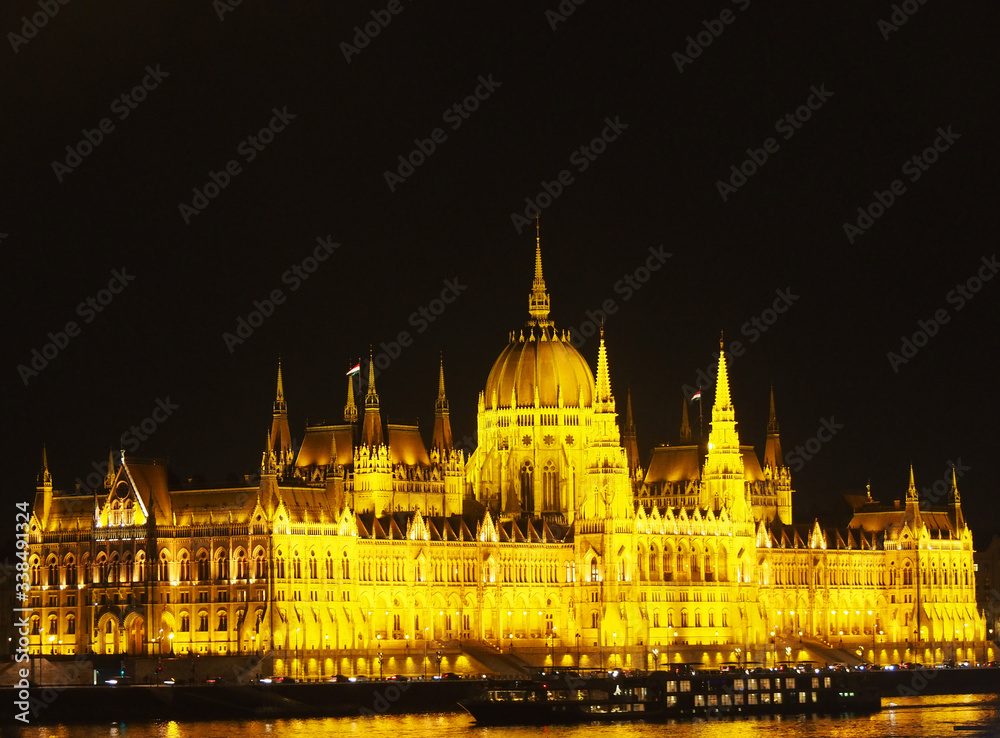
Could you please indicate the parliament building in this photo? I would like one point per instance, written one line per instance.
(550, 538)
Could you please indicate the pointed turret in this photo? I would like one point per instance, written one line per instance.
(538, 299)
(44, 488)
(371, 435)
(603, 400)
(350, 409)
(442, 423)
(772, 450)
(109, 478)
(685, 436)
(629, 439)
(911, 492)
(955, 501)
(281, 436)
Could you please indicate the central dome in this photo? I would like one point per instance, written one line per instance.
(544, 362)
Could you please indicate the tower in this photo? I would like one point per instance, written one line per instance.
(44, 487)
(350, 408)
(723, 481)
(281, 437)
(629, 439)
(441, 438)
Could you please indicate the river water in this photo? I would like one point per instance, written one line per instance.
(901, 717)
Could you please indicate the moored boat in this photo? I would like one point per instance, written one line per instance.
(569, 697)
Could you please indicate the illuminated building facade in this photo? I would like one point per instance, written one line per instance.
(550, 534)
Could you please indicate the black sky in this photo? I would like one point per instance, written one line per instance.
(654, 186)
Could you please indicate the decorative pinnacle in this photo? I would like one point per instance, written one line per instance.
(772, 418)
(371, 396)
(538, 299)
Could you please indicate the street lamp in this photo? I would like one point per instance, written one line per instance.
(297, 631)
(170, 637)
(578, 651)
(380, 665)
(438, 653)
(656, 657)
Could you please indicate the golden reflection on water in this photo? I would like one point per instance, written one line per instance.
(901, 717)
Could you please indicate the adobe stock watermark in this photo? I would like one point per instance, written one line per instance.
(562, 12)
(753, 329)
(47, 10)
(942, 487)
(363, 36)
(703, 39)
(454, 116)
(913, 168)
(797, 457)
(87, 310)
(248, 148)
(581, 159)
(420, 319)
(224, 7)
(122, 106)
(787, 126)
(958, 296)
(626, 287)
(901, 13)
(294, 277)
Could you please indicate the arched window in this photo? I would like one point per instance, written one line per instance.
(296, 566)
(71, 571)
(223, 617)
(595, 619)
(656, 619)
(313, 566)
(163, 568)
(329, 564)
(527, 487)
(550, 488)
(279, 566)
(222, 566)
(203, 572)
(185, 568)
(595, 575)
(725, 619)
(346, 566)
(71, 624)
(53, 573)
(260, 566)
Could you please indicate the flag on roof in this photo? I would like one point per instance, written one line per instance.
(355, 370)
(696, 396)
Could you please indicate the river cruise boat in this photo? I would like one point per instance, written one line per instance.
(569, 697)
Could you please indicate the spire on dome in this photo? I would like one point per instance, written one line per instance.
(772, 449)
(629, 439)
(538, 299)
(955, 496)
(371, 397)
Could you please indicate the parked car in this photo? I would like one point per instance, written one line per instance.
(338, 678)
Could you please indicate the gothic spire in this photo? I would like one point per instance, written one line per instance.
(772, 449)
(44, 477)
(956, 498)
(685, 423)
(279, 395)
(911, 492)
(109, 478)
(629, 438)
(538, 299)
(722, 398)
(281, 435)
(603, 400)
(442, 438)
(350, 409)
(372, 431)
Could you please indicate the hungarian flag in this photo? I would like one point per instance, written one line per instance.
(696, 396)
(355, 370)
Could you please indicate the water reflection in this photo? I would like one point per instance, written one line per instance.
(901, 717)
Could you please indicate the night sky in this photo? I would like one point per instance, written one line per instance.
(173, 208)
